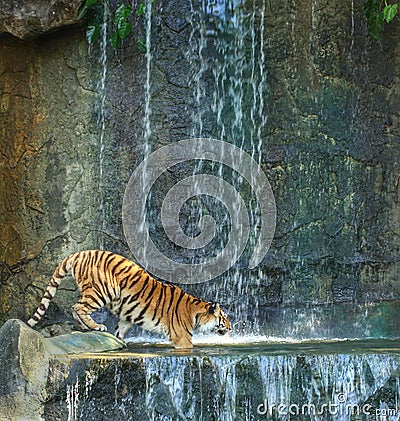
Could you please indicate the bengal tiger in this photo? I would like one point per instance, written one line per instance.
(107, 279)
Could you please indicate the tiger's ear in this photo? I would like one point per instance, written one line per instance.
(214, 307)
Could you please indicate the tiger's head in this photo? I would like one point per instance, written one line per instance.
(214, 320)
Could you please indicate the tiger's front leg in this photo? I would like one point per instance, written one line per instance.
(182, 342)
(81, 313)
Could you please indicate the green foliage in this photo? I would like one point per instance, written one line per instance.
(379, 12)
(93, 11)
(84, 10)
(141, 45)
(141, 9)
(123, 27)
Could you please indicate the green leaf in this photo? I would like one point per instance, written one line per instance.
(376, 26)
(90, 3)
(141, 9)
(375, 18)
(371, 8)
(86, 7)
(389, 12)
(92, 33)
(122, 13)
(124, 29)
(141, 45)
(115, 40)
(377, 15)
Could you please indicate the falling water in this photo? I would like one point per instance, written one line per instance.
(165, 385)
(102, 120)
(101, 315)
(229, 88)
(244, 382)
(147, 109)
(246, 385)
(147, 113)
(72, 401)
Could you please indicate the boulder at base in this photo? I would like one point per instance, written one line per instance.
(24, 364)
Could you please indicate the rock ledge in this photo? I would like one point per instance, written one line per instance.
(29, 19)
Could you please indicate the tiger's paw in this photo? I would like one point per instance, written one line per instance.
(101, 328)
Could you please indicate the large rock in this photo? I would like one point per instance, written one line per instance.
(29, 19)
(24, 365)
(23, 371)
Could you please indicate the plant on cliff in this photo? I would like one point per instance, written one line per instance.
(379, 12)
(94, 11)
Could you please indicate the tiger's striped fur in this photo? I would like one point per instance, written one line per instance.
(107, 279)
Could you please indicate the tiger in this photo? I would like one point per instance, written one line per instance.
(107, 279)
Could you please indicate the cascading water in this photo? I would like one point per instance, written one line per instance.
(147, 148)
(229, 93)
(228, 87)
(228, 83)
(288, 382)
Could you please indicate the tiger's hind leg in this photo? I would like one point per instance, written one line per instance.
(81, 313)
(122, 327)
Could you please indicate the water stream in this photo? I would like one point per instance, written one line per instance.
(102, 88)
(297, 380)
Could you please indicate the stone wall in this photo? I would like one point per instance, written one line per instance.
(49, 161)
(330, 151)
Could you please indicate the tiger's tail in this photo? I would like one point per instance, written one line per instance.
(62, 269)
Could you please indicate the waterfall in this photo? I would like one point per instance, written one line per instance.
(228, 86)
(247, 385)
(248, 377)
(229, 92)
(146, 121)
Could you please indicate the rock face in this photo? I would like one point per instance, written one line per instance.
(73, 131)
(30, 19)
(42, 165)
